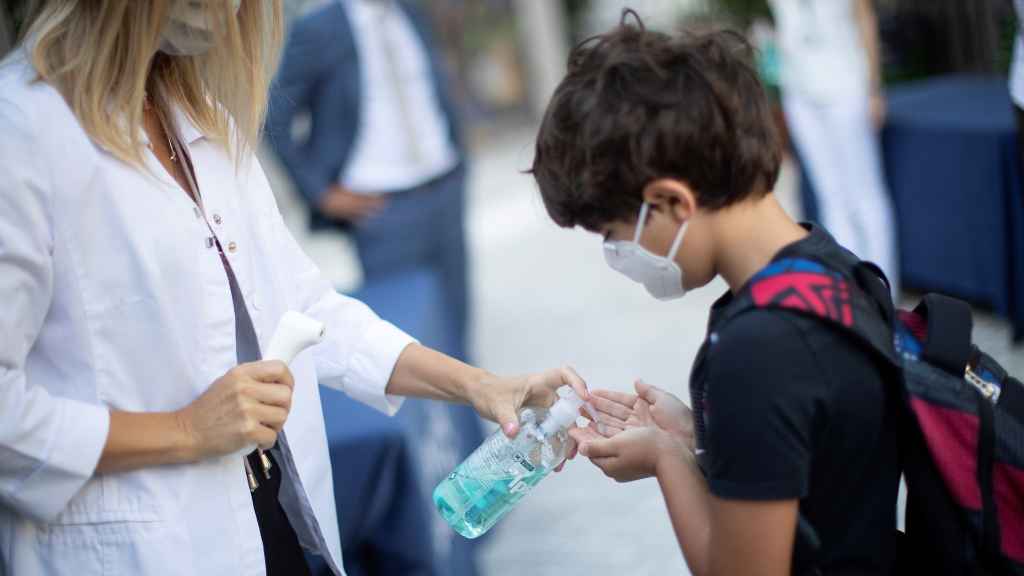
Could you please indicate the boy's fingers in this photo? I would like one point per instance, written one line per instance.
(643, 410)
(603, 448)
(609, 431)
(607, 465)
(610, 407)
(586, 413)
(649, 393)
(609, 420)
(584, 435)
(623, 398)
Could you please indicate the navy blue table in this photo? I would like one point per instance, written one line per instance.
(952, 163)
(385, 469)
(384, 525)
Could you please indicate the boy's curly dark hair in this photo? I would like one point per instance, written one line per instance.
(637, 105)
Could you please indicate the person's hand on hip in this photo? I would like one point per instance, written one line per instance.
(340, 203)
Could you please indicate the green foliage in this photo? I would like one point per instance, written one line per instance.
(743, 12)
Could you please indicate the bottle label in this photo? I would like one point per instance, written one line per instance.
(519, 472)
(523, 461)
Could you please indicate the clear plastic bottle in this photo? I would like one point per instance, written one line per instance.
(496, 476)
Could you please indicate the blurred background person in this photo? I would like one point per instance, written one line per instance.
(383, 157)
(1017, 75)
(6, 32)
(364, 120)
(834, 104)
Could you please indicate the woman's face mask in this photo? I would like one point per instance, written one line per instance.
(189, 30)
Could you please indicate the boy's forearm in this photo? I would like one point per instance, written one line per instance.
(686, 497)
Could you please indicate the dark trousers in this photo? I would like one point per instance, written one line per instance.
(1019, 113)
(424, 228)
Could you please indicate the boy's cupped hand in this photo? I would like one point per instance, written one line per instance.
(632, 432)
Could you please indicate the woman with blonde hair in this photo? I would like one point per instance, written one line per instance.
(143, 265)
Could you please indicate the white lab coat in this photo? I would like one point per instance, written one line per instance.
(112, 299)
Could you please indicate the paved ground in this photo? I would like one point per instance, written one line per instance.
(544, 297)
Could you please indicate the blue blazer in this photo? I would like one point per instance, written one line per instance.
(320, 76)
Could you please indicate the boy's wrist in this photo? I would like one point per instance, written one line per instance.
(672, 454)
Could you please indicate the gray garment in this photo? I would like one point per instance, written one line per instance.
(292, 496)
(6, 31)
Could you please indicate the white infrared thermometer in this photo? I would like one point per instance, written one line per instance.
(295, 332)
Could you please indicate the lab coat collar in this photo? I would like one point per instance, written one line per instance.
(187, 130)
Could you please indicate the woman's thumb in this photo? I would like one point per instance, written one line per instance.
(508, 420)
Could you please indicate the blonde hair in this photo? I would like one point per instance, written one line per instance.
(102, 56)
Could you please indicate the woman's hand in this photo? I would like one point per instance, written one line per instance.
(427, 373)
(500, 399)
(246, 406)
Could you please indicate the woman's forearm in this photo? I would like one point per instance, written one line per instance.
(686, 497)
(141, 440)
(425, 373)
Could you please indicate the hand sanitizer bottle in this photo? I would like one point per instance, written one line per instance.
(497, 475)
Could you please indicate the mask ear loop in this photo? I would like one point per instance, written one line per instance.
(644, 209)
(678, 241)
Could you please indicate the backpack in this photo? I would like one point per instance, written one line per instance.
(961, 417)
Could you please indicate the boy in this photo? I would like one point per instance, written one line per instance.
(665, 146)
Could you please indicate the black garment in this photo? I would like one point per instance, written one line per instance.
(1018, 113)
(282, 553)
(789, 407)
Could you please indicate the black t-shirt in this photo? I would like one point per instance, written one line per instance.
(789, 407)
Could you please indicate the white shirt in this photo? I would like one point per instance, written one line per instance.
(1017, 68)
(113, 300)
(391, 153)
(823, 56)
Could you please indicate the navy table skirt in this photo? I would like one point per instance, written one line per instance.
(385, 469)
(953, 167)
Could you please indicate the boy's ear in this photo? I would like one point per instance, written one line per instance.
(674, 196)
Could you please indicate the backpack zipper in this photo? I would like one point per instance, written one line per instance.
(987, 389)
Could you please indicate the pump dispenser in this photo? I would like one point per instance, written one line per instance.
(498, 474)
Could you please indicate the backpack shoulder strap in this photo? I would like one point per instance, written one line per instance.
(854, 299)
(947, 343)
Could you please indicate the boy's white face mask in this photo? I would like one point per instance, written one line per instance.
(662, 277)
(189, 30)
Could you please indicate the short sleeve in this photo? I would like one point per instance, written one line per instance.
(765, 394)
